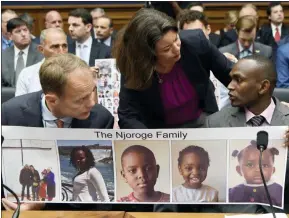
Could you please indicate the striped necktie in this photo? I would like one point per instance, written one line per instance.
(257, 120)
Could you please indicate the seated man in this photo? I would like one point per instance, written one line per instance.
(250, 91)
(67, 101)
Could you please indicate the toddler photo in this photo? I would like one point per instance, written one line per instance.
(191, 167)
(252, 189)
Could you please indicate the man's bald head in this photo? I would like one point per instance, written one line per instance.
(264, 67)
(53, 19)
(249, 10)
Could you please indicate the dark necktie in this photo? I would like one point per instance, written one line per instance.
(19, 64)
(257, 120)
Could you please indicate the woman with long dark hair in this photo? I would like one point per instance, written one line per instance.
(88, 183)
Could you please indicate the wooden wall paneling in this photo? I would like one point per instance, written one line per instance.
(122, 13)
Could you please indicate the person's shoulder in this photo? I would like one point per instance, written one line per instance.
(265, 27)
(210, 188)
(284, 48)
(32, 69)
(178, 188)
(227, 47)
(214, 120)
(19, 101)
(164, 197)
(101, 114)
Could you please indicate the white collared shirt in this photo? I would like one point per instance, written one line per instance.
(273, 27)
(49, 120)
(107, 41)
(241, 47)
(267, 114)
(28, 80)
(86, 45)
(24, 55)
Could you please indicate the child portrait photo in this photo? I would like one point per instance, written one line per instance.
(199, 171)
(245, 181)
(142, 171)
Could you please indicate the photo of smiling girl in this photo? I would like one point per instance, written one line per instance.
(140, 169)
(193, 163)
(199, 174)
(252, 189)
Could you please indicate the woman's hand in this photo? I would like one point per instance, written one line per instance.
(10, 206)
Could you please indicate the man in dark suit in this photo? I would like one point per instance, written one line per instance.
(80, 24)
(23, 54)
(191, 19)
(272, 33)
(67, 101)
(231, 35)
(245, 44)
(104, 30)
(250, 91)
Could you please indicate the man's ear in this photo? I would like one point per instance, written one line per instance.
(88, 27)
(51, 99)
(238, 169)
(180, 170)
(265, 86)
(123, 175)
(9, 35)
(40, 48)
(208, 29)
(111, 30)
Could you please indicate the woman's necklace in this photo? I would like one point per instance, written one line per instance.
(160, 80)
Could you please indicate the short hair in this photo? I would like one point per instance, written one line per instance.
(231, 17)
(246, 24)
(100, 10)
(201, 152)
(193, 4)
(134, 48)
(44, 33)
(253, 144)
(188, 16)
(54, 71)
(267, 68)
(137, 148)
(15, 23)
(110, 20)
(9, 11)
(83, 14)
(90, 161)
(28, 19)
(249, 5)
(270, 6)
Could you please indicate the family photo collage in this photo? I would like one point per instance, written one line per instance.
(209, 166)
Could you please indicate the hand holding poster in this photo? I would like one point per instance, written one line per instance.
(184, 166)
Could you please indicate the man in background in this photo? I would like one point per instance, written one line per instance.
(5, 17)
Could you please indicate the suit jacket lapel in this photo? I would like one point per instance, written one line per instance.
(81, 124)
(237, 118)
(33, 111)
(30, 55)
(279, 113)
(94, 52)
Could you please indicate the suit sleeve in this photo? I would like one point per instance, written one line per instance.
(129, 110)
(195, 40)
(220, 65)
(4, 121)
(282, 67)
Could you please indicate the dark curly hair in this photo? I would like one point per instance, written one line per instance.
(88, 154)
(201, 152)
(253, 144)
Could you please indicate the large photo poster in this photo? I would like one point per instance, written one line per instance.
(184, 166)
(108, 86)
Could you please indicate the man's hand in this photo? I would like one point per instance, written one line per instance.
(9, 206)
(286, 137)
(230, 57)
